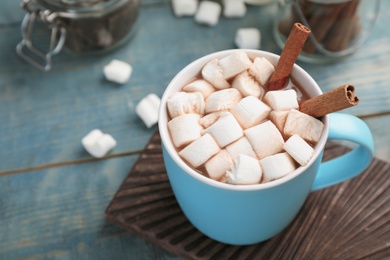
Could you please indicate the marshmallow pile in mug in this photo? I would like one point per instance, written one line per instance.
(228, 127)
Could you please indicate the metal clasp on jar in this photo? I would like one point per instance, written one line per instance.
(26, 49)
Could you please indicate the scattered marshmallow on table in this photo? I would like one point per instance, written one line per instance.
(97, 143)
(208, 13)
(147, 109)
(248, 38)
(118, 71)
(233, 8)
(184, 7)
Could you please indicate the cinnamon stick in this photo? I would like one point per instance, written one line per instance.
(321, 23)
(329, 102)
(343, 30)
(289, 55)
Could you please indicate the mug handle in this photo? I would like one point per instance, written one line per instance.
(349, 128)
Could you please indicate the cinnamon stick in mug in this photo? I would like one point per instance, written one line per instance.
(289, 55)
(329, 102)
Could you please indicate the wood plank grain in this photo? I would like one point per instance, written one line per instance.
(58, 213)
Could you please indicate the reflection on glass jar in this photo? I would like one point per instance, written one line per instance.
(339, 27)
(82, 26)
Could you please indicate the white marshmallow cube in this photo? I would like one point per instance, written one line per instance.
(211, 118)
(98, 144)
(184, 7)
(234, 64)
(298, 149)
(225, 130)
(307, 127)
(184, 129)
(180, 103)
(280, 100)
(246, 170)
(118, 71)
(234, 8)
(248, 38)
(208, 13)
(200, 85)
(200, 150)
(250, 111)
(265, 139)
(147, 109)
(279, 119)
(222, 100)
(261, 70)
(213, 73)
(247, 85)
(217, 166)
(241, 146)
(277, 166)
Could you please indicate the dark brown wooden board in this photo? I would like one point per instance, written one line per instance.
(347, 221)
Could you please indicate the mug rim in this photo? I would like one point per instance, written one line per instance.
(200, 62)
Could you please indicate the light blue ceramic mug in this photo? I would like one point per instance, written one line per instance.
(248, 214)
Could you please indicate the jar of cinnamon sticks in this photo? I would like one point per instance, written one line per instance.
(81, 26)
(338, 27)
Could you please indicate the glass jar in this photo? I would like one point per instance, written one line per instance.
(338, 27)
(82, 26)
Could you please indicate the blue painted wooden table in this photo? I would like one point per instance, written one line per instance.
(53, 193)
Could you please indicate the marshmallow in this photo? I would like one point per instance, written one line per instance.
(246, 170)
(280, 100)
(225, 130)
(211, 118)
(200, 85)
(208, 13)
(277, 166)
(261, 70)
(248, 38)
(241, 146)
(250, 111)
(279, 119)
(97, 143)
(234, 64)
(217, 166)
(200, 150)
(222, 100)
(265, 139)
(307, 127)
(147, 109)
(298, 149)
(184, 7)
(234, 8)
(247, 85)
(118, 71)
(184, 129)
(180, 103)
(213, 73)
